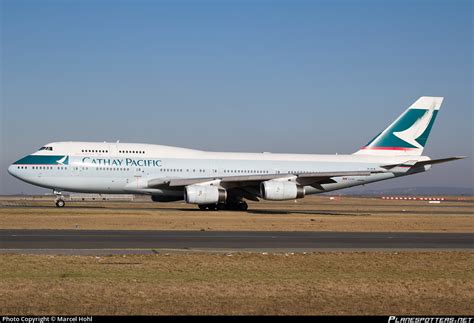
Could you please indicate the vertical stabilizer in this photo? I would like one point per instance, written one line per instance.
(408, 134)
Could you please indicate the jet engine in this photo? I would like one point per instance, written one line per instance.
(280, 190)
(204, 194)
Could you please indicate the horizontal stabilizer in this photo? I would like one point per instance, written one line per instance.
(403, 167)
(438, 161)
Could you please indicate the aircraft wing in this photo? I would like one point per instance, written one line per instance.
(253, 180)
(326, 177)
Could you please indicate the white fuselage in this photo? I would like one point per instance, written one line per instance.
(128, 168)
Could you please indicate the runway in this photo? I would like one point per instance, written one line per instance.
(132, 241)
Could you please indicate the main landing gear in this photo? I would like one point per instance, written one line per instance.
(59, 199)
(234, 206)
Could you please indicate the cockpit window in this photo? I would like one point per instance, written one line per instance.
(46, 148)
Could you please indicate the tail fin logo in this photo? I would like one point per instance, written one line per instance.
(419, 127)
(408, 134)
(63, 161)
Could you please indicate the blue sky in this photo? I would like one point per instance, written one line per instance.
(280, 76)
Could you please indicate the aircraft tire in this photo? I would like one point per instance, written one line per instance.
(243, 206)
(60, 203)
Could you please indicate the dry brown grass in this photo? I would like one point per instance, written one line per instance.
(415, 283)
(314, 213)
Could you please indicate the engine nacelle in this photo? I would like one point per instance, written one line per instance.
(204, 194)
(281, 190)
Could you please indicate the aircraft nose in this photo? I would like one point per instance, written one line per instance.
(14, 171)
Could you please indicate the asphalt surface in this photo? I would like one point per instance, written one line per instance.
(124, 241)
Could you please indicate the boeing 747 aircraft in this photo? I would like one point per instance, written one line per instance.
(223, 180)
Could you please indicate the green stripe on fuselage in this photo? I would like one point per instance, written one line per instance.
(42, 160)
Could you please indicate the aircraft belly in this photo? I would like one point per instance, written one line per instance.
(82, 184)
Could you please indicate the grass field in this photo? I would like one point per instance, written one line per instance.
(313, 213)
(385, 283)
(414, 283)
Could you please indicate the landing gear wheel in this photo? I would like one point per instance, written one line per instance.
(237, 206)
(202, 207)
(59, 198)
(243, 206)
(60, 203)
